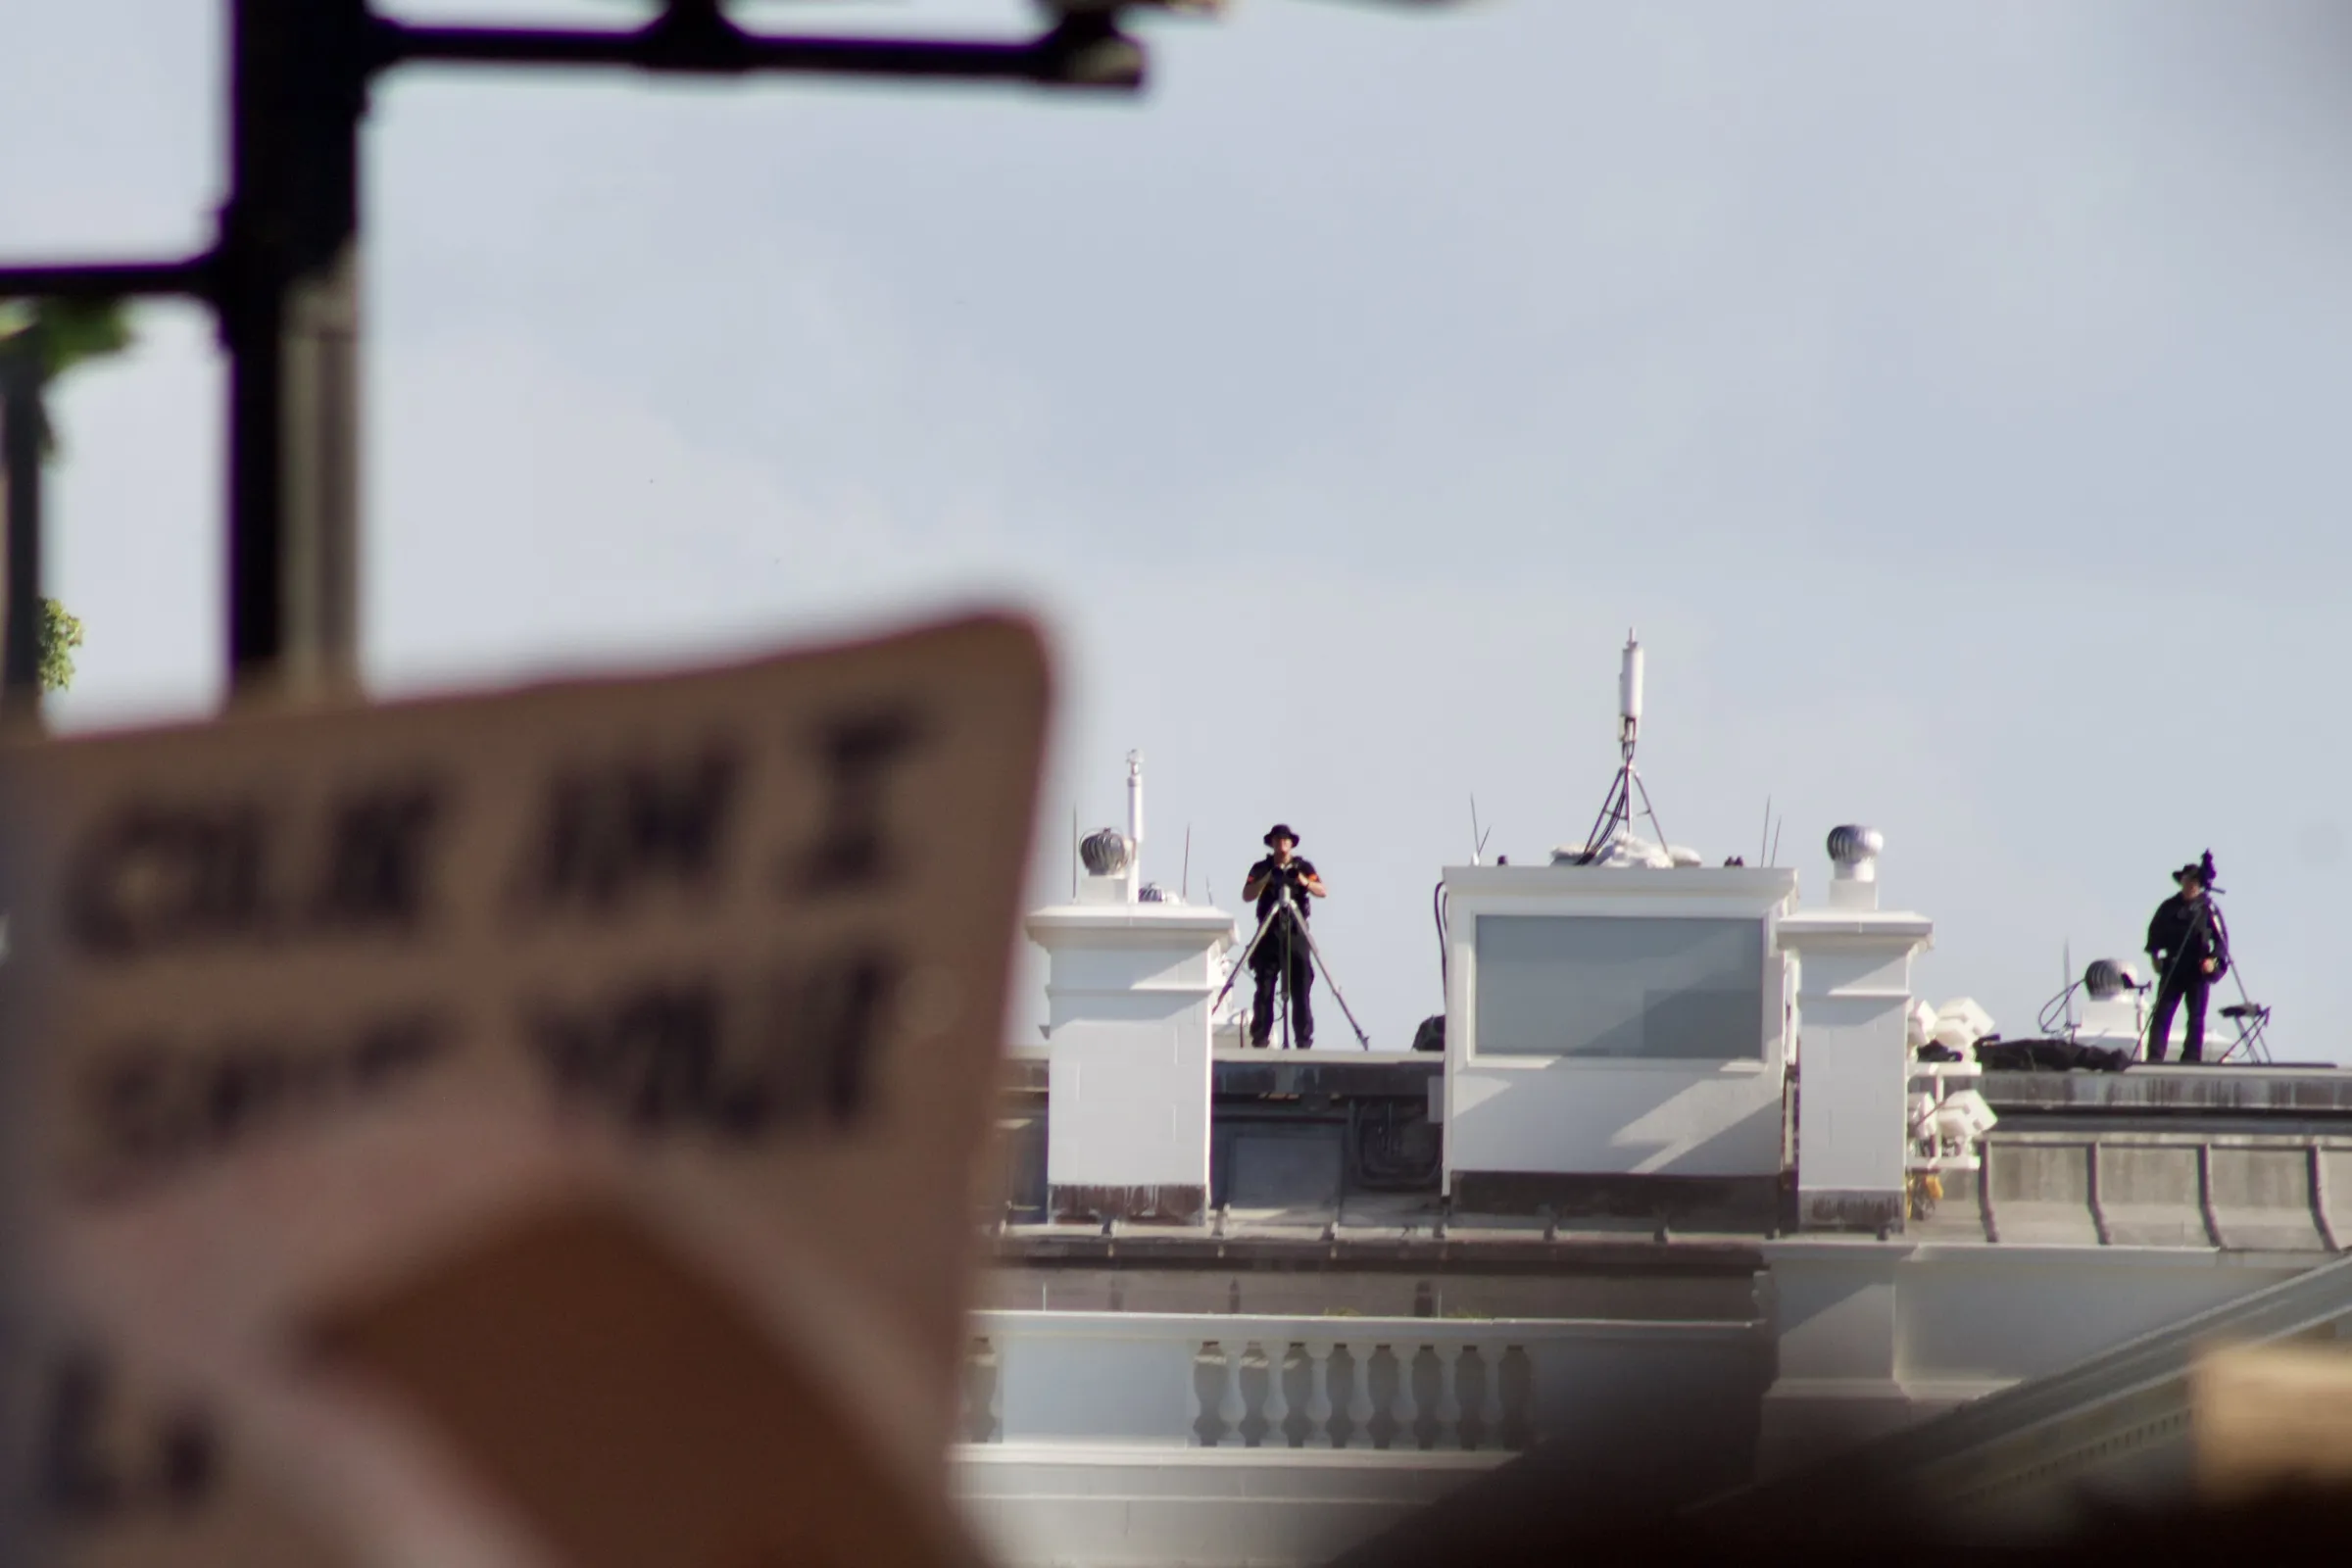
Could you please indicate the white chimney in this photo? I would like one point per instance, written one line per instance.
(1853, 1048)
(1129, 990)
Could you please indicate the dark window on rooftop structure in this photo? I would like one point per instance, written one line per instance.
(1614, 987)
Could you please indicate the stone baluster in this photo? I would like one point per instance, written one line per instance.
(1231, 1409)
(1449, 1404)
(1359, 1397)
(1403, 1410)
(1277, 1408)
(1319, 1394)
(1489, 1396)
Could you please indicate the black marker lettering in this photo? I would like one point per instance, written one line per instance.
(377, 861)
(169, 1465)
(668, 1057)
(389, 1050)
(648, 1057)
(133, 1109)
(829, 1020)
(76, 1481)
(857, 753)
(672, 1037)
(245, 1085)
(153, 876)
(188, 1460)
(151, 1107)
(610, 831)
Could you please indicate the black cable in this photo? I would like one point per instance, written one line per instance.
(1436, 908)
(2056, 1005)
(1612, 813)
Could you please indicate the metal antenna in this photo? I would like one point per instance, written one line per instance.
(1764, 839)
(1185, 890)
(1617, 807)
(2065, 957)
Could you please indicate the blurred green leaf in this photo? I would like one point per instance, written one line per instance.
(74, 331)
(68, 333)
(60, 634)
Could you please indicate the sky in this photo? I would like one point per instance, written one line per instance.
(1951, 394)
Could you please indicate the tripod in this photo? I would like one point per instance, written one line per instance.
(1292, 923)
(1617, 808)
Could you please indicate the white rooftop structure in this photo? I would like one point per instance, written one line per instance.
(1697, 1181)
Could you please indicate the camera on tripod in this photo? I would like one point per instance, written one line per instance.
(1282, 954)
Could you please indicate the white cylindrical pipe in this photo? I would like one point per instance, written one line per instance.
(1135, 824)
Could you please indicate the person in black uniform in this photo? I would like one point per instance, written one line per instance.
(2189, 948)
(1283, 951)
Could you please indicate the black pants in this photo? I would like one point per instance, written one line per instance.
(1266, 966)
(2186, 983)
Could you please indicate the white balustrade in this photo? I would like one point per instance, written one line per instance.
(1359, 1401)
(1319, 1394)
(1490, 1407)
(1449, 1404)
(1406, 1411)
(1232, 1409)
(1226, 1381)
(1275, 1408)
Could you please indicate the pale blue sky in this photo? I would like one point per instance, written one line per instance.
(1953, 394)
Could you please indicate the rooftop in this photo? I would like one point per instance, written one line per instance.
(1314, 1168)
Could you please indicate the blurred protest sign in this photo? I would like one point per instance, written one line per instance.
(2272, 1417)
(708, 968)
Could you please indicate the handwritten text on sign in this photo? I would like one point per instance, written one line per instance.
(168, 870)
(714, 902)
(310, 996)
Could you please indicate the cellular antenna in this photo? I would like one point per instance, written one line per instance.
(1617, 812)
(1629, 694)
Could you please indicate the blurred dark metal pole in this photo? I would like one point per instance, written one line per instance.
(22, 423)
(288, 303)
(283, 278)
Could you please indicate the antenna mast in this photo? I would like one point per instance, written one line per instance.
(1617, 812)
(1135, 825)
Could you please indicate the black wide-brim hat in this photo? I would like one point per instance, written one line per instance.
(1280, 830)
(2189, 870)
